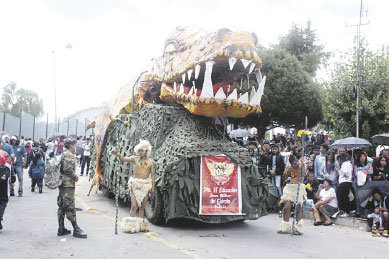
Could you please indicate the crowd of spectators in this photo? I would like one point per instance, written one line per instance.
(32, 155)
(333, 175)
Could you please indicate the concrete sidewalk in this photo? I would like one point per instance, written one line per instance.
(351, 222)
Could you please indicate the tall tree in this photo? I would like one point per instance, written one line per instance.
(302, 43)
(15, 100)
(340, 102)
(290, 94)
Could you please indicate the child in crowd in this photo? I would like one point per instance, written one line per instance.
(377, 222)
(37, 172)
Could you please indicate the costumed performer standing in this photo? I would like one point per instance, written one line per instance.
(296, 171)
(141, 183)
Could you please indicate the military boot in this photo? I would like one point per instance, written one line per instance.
(78, 232)
(61, 229)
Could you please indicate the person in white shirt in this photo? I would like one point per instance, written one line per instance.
(345, 185)
(327, 204)
(85, 157)
(50, 147)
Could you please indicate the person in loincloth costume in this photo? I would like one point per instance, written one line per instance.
(289, 196)
(141, 183)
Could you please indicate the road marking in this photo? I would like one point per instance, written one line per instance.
(149, 235)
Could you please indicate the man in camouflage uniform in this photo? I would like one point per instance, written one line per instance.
(65, 200)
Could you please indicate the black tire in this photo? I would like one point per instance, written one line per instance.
(50, 181)
(107, 193)
(154, 208)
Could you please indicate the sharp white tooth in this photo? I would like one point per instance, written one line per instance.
(189, 74)
(233, 95)
(244, 99)
(192, 90)
(197, 71)
(183, 78)
(232, 62)
(182, 89)
(207, 91)
(258, 75)
(252, 94)
(195, 91)
(245, 62)
(252, 66)
(220, 95)
(175, 86)
(261, 86)
(256, 100)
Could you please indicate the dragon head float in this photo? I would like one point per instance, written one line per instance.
(202, 71)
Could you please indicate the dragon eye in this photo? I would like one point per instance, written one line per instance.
(170, 48)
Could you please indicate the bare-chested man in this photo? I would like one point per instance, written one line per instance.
(296, 172)
(144, 176)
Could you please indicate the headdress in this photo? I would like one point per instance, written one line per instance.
(143, 144)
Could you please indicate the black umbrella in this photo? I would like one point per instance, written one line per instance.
(382, 139)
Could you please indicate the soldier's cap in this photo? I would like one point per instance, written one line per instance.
(70, 141)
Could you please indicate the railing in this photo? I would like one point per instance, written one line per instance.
(28, 126)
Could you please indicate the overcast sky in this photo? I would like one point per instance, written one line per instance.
(112, 40)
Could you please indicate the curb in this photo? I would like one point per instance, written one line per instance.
(346, 222)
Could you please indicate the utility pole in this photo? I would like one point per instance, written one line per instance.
(68, 46)
(55, 95)
(357, 81)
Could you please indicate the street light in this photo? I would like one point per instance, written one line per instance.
(68, 46)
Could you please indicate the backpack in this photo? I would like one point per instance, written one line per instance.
(60, 178)
(4, 173)
(35, 154)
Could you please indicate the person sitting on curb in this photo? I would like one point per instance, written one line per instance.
(376, 219)
(380, 202)
(327, 205)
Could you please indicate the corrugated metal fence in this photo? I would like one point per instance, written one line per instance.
(26, 125)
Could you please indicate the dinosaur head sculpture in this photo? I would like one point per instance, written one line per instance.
(199, 70)
(204, 71)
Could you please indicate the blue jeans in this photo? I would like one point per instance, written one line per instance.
(19, 172)
(276, 180)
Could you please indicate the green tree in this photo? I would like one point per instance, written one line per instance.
(339, 98)
(290, 94)
(302, 43)
(14, 100)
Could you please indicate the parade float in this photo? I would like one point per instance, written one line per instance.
(200, 173)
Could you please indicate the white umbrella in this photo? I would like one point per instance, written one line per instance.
(240, 133)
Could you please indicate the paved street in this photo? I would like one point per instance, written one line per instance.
(30, 227)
